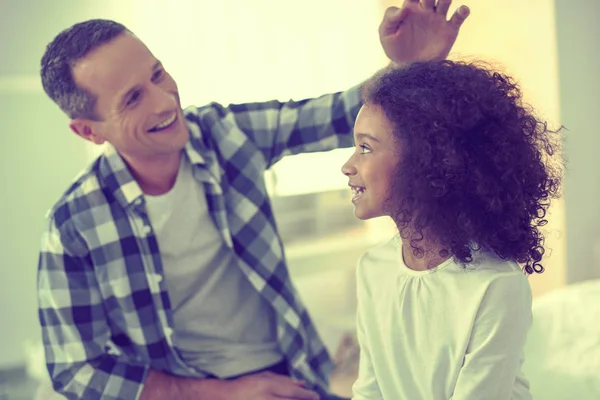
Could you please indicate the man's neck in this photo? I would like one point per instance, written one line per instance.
(157, 175)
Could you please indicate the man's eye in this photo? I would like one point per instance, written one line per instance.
(157, 75)
(134, 97)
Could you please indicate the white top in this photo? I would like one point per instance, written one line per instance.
(446, 333)
(222, 325)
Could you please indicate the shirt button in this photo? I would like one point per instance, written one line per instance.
(159, 278)
(147, 229)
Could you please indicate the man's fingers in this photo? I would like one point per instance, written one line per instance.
(288, 388)
(284, 387)
(284, 380)
(442, 7)
(428, 4)
(460, 15)
(395, 14)
(391, 20)
(294, 392)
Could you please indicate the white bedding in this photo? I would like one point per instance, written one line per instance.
(563, 347)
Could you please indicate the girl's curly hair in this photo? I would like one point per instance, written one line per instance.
(476, 167)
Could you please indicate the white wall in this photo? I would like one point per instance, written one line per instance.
(578, 35)
(39, 157)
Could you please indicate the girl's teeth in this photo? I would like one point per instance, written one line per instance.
(357, 191)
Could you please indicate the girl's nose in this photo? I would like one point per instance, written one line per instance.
(348, 168)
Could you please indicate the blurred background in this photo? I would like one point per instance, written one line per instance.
(252, 50)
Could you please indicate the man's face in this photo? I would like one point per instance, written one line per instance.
(137, 101)
(370, 169)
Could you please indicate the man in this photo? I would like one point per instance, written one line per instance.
(161, 272)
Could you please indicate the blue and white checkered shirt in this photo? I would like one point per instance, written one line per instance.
(103, 306)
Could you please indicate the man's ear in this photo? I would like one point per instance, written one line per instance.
(85, 128)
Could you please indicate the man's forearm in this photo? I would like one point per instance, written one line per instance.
(160, 386)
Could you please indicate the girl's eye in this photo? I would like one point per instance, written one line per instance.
(364, 149)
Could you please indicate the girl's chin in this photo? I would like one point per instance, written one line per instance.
(366, 214)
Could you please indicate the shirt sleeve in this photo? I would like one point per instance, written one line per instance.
(494, 355)
(74, 325)
(366, 386)
(284, 128)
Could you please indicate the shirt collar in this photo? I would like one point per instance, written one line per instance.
(120, 181)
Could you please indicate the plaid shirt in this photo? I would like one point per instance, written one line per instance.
(103, 305)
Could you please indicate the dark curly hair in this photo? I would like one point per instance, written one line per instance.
(477, 169)
(61, 55)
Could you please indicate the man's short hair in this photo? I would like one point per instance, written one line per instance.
(62, 54)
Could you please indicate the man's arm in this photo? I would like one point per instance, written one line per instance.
(279, 128)
(75, 332)
(419, 31)
(159, 385)
(261, 386)
(494, 355)
(74, 325)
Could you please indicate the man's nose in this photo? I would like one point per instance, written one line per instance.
(163, 100)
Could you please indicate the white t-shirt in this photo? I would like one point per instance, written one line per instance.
(446, 333)
(222, 325)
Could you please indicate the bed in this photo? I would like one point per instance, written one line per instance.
(563, 347)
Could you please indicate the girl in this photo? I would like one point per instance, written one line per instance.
(463, 167)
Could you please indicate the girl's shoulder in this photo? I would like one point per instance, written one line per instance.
(489, 264)
(379, 261)
(387, 251)
(492, 276)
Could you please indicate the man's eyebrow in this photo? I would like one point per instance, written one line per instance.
(367, 136)
(157, 65)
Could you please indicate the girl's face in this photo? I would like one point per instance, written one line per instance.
(371, 167)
